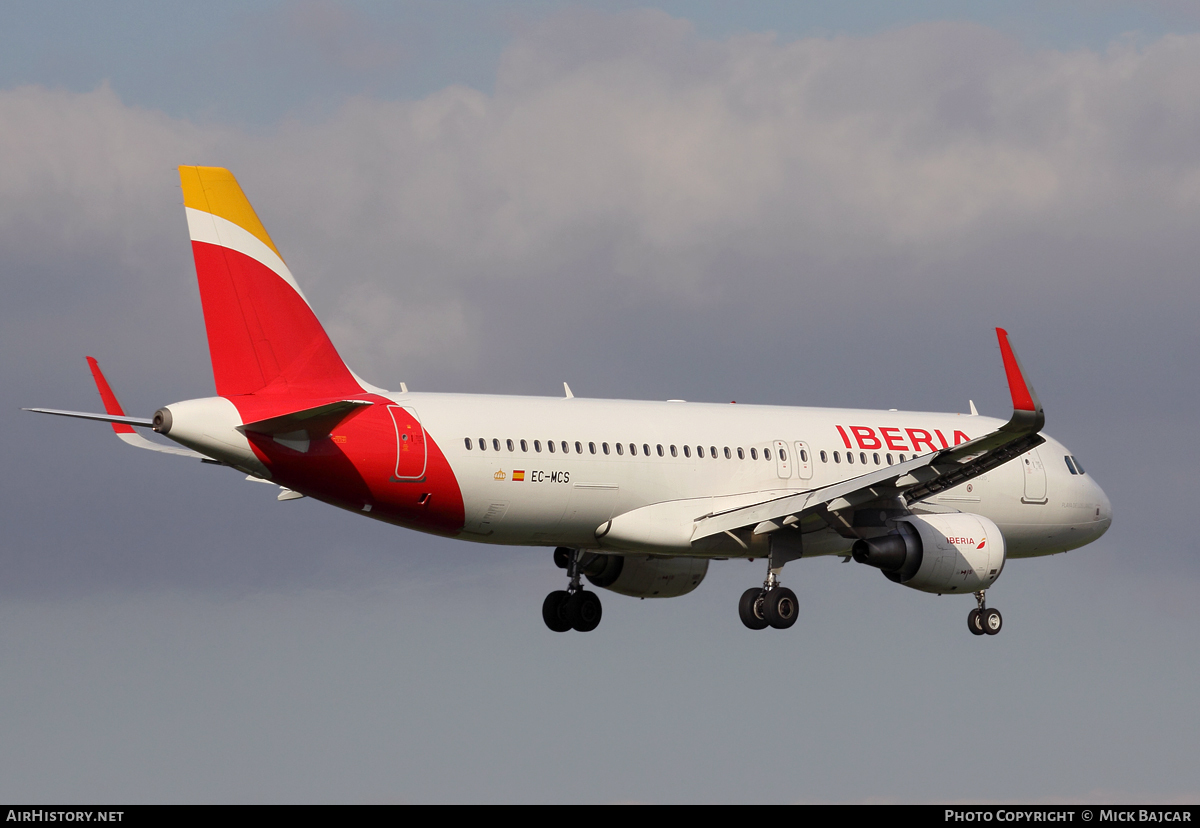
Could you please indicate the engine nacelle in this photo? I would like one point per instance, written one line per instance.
(937, 553)
(642, 576)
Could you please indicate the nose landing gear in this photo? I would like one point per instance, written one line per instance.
(573, 608)
(982, 620)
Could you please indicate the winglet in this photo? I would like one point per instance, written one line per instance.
(111, 406)
(1027, 409)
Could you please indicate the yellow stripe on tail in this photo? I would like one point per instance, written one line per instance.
(214, 190)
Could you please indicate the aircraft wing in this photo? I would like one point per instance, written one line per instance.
(121, 424)
(906, 483)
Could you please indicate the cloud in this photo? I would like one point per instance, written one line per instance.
(646, 212)
(631, 142)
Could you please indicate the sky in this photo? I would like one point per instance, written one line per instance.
(791, 204)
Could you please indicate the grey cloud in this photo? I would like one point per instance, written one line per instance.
(773, 227)
(643, 212)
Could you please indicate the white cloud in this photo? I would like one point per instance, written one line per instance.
(627, 151)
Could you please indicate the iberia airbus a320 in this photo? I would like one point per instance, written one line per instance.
(636, 497)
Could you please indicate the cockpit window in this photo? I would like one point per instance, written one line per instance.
(1078, 465)
(1070, 465)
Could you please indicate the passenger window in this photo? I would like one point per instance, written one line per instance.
(837, 457)
(753, 454)
(1078, 465)
(1070, 465)
(741, 453)
(620, 449)
(766, 454)
(511, 447)
(674, 453)
(537, 446)
(803, 456)
(524, 446)
(875, 457)
(468, 442)
(850, 457)
(578, 447)
(889, 459)
(633, 449)
(728, 453)
(699, 451)
(660, 450)
(712, 450)
(592, 448)
(646, 449)
(550, 446)
(901, 458)
(824, 457)
(862, 455)
(604, 447)
(566, 448)
(687, 451)
(783, 455)
(495, 444)
(482, 444)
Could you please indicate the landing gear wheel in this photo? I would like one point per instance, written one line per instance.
(750, 608)
(974, 623)
(554, 611)
(992, 622)
(583, 609)
(780, 608)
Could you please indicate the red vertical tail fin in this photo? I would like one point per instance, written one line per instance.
(263, 336)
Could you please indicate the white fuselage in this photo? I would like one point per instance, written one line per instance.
(525, 493)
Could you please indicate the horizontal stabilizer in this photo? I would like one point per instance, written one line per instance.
(314, 422)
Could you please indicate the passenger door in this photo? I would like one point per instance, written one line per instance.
(1035, 478)
(411, 451)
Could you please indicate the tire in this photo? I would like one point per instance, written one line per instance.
(750, 609)
(974, 624)
(554, 611)
(992, 621)
(562, 556)
(584, 611)
(781, 608)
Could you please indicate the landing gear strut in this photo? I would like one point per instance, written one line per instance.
(772, 605)
(573, 608)
(983, 620)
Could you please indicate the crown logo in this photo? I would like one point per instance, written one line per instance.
(500, 475)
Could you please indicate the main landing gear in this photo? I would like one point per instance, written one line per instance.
(771, 605)
(572, 608)
(984, 620)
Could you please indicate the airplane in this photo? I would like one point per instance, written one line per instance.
(636, 497)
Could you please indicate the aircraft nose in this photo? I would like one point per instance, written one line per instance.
(1103, 508)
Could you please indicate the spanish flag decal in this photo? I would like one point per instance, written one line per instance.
(518, 475)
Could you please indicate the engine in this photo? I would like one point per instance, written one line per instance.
(937, 553)
(643, 576)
